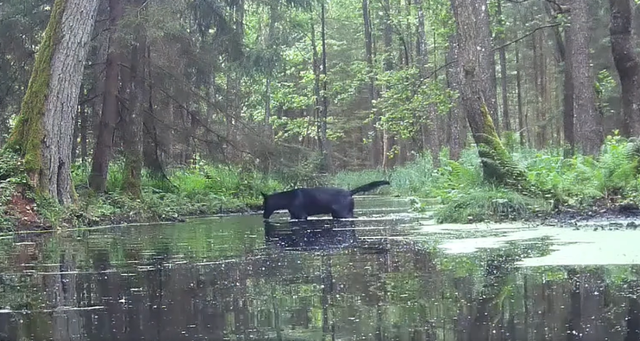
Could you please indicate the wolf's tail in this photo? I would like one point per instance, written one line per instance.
(370, 186)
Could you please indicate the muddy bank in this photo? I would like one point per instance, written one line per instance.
(598, 216)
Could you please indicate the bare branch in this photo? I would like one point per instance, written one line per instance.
(525, 36)
(89, 99)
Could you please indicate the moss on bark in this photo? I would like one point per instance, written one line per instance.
(28, 134)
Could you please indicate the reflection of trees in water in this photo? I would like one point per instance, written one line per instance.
(394, 291)
(62, 290)
(633, 313)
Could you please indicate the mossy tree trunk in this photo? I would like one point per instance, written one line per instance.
(474, 93)
(43, 133)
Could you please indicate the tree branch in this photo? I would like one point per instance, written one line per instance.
(89, 99)
(438, 69)
(526, 35)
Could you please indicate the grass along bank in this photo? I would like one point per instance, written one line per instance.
(198, 190)
(580, 184)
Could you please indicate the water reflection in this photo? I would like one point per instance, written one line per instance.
(311, 235)
(237, 278)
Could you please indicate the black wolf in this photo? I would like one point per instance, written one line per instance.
(304, 202)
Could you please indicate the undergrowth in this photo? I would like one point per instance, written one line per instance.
(12, 177)
(461, 194)
(579, 182)
(488, 204)
(199, 189)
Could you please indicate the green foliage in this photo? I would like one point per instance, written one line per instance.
(497, 164)
(415, 178)
(11, 167)
(488, 204)
(131, 179)
(580, 181)
(605, 87)
(201, 189)
(510, 141)
(12, 175)
(407, 100)
(352, 179)
(220, 182)
(304, 174)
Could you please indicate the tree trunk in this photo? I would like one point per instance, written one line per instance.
(521, 126)
(626, 61)
(76, 133)
(488, 65)
(541, 107)
(374, 145)
(432, 136)
(269, 41)
(546, 134)
(152, 142)
(132, 121)
(234, 79)
(560, 55)
(421, 59)
(506, 120)
(563, 57)
(151, 158)
(588, 123)
(327, 157)
(110, 107)
(560, 48)
(316, 89)
(388, 140)
(496, 162)
(457, 121)
(567, 114)
(44, 131)
(100, 41)
(407, 38)
(84, 127)
(537, 96)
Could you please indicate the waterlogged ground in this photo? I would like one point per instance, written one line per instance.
(387, 275)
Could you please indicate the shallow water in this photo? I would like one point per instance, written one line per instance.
(387, 275)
